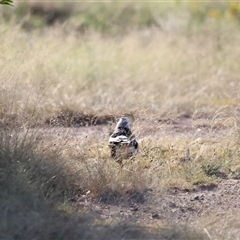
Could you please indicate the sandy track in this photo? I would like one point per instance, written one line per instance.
(180, 128)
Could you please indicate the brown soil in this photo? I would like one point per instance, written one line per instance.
(172, 206)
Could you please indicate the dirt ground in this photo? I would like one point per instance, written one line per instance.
(165, 205)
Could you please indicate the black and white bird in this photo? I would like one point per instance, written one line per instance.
(121, 142)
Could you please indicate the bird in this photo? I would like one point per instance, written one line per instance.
(121, 142)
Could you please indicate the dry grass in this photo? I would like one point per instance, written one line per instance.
(153, 75)
(42, 174)
(147, 73)
(38, 179)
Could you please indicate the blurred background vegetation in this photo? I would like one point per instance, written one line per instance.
(169, 44)
(116, 17)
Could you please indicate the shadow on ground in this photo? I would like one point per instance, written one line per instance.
(34, 200)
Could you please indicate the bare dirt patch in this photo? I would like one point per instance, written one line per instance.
(173, 206)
